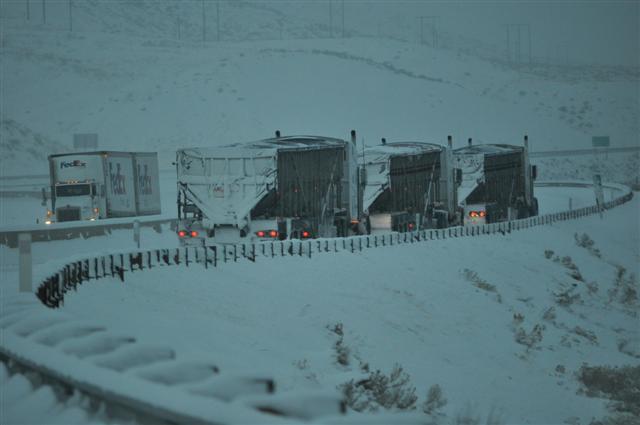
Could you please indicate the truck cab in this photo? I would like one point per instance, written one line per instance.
(75, 201)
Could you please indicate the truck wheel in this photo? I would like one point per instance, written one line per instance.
(534, 207)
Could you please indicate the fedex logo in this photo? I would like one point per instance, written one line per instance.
(74, 163)
(117, 180)
(144, 180)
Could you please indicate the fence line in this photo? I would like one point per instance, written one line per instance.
(52, 289)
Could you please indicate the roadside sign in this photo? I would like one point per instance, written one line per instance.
(600, 141)
(85, 141)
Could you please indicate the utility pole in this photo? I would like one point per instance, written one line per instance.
(515, 46)
(342, 18)
(204, 24)
(28, 11)
(434, 29)
(44, 13)
(508, 45)
(529, 38)
(218, 20)
(518, 58)
(70, 16)
(330, 19)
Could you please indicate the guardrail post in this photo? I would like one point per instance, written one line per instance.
(136, 232)
(26, 272)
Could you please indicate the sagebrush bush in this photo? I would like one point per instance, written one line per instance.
(341, 349)
(584, 241)
(625, 287)
(381, 391)
(566, 298)
(480, 283)
(435, 400)
(621, 385)
(530, 339)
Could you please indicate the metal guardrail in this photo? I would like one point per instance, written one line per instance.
(574, 152)
(76, 229)
(72, 274)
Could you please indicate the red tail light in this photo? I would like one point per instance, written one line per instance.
(410, 226)
(273, 233)
(305, 234)
(482, 213)
(260, 233)
(194, 234)
(473, 214)
(182, 233)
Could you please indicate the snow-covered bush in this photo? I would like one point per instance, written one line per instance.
(630, 348)
(468, 416)
(621, 385)
(379, 390)
(529, 339)
(480, 283)
(435, 401)
(549, 314)
(625, 288)
(587, 243)
(566, 298)
(587, 334)
(342, 351)
(574, 272)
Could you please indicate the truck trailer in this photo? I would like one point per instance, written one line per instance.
(409, 186)
(497, 182)
(293, 187)
(103, 184)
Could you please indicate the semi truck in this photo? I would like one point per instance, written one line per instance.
(497, 182)
(409, 186)
(286, 187)
(103, 184)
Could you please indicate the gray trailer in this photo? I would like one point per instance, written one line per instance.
(279, 188)
(497, 182)
(409, 185)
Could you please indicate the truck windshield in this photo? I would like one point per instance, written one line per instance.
(73, 190)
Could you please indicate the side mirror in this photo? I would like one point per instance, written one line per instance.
(534, 172)
(458, 176)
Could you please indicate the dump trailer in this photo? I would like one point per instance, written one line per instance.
(409, 185)
(497, 182)
(293, 187)
(104, 184)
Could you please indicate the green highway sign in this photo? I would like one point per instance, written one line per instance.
(600, 141)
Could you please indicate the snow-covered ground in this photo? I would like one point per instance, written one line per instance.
(449, 312)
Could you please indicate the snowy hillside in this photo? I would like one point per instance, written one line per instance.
(620, 168)
(123, 75)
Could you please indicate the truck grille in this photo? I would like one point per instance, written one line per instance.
(68, 214)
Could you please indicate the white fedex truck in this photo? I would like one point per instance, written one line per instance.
(104, 184)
